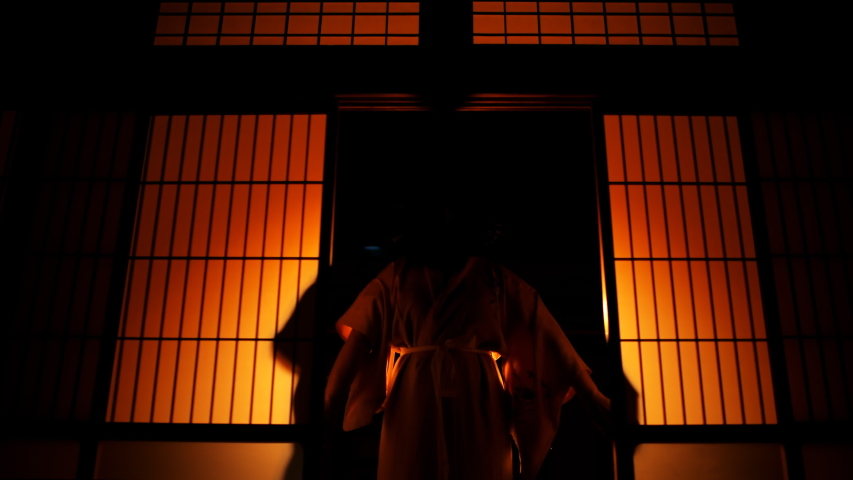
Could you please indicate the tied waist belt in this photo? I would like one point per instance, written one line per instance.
(428, 348)
(443, 367)
(443, 372)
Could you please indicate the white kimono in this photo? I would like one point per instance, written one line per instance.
(448, 414)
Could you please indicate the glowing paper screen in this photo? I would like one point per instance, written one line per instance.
(216, 327)
(605, 23)
(283, 23)
(690, 315)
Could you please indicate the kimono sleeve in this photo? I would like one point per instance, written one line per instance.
(540, 369)
(368, 315)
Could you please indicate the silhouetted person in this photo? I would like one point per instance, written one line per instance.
(422, 341)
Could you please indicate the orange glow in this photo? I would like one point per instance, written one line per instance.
(600, 23)
(280, 23)
(676, 461)
(219, 268)
(343, 330)
(149, 460)
(605, 312)
(690, 314)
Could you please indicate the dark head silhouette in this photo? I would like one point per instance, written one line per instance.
(446, 226)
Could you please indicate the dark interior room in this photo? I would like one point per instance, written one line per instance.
(192, 194)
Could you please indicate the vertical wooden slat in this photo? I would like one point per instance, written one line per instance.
(685, 270)
(222, 271)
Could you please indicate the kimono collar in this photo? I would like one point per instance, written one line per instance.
(437, 315)
(451, 284)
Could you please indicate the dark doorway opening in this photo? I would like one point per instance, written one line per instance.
(535, 170)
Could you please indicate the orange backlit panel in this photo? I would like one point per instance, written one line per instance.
(705, 461)
(208, 460)
(691, 322)
(605, 23)
(287, 23)
(216, 324)
(803, 163)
